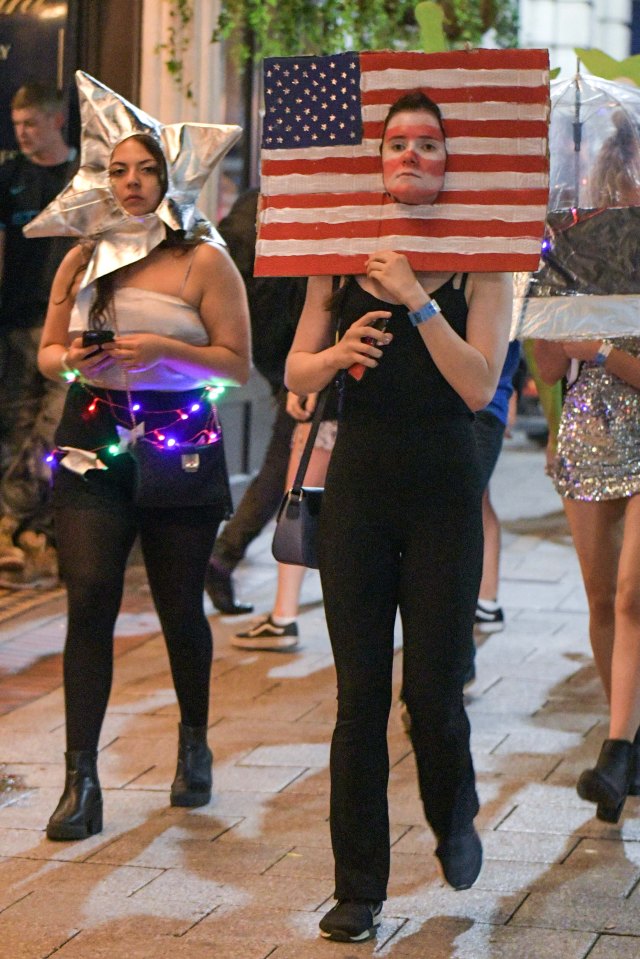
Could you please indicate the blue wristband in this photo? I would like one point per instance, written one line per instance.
(425, 312)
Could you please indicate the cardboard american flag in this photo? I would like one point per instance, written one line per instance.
(323, 208)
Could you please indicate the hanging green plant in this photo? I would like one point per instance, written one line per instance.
(263, 28)
(178, 42)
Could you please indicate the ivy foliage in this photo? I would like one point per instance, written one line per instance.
(278, 28)
(263, 28)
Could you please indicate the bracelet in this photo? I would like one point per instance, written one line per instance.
(601, 356)
(63, 362)
(425, 312)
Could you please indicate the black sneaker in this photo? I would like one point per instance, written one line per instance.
(351, 921)
(488, 620)
(267, 635)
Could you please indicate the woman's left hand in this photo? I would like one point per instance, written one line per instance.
(393, 272)
(139, 351)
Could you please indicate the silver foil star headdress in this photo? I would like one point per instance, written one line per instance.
(87, 206)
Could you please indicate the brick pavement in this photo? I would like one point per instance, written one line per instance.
(249, 876)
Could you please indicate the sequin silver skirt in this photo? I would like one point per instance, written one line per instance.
(598, 454)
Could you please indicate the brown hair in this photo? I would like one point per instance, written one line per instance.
(411, 102)
(615, 180)
(38, 95)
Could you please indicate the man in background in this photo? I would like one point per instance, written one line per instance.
(30, 406)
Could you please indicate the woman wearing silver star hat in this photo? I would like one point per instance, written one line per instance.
(144, 343)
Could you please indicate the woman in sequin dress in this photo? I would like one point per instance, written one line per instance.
(597, 472)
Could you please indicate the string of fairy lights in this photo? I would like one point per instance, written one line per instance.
(129, 419)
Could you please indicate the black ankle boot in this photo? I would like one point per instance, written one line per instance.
(608, 784)
(218, 585)
(634, 785)
(79, 813)
(192, 785)
(460, 856)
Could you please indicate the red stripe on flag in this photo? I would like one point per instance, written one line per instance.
(455, 60)
(305, 201)
(490, 94)
(321, 265)
(399, 227)
(509, 129)
(483, 163)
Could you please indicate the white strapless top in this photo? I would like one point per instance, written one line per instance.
(145, 311)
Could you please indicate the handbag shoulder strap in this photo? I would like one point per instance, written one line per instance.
(317, 416)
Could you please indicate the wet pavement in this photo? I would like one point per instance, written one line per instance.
(249, 876)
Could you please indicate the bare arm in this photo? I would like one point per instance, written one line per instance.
(314, 358)
(472, 366)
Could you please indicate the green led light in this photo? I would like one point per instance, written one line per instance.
(114, 450)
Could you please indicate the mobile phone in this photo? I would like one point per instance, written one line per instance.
(97, 337)
(357, 370)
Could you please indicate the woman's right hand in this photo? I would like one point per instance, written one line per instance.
(353, 346)
(80, 358)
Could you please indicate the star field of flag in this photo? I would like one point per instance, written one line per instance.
(312, 101)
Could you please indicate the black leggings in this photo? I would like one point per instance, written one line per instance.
(93, 547)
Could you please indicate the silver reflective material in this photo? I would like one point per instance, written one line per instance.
(588, 281)
(87, 207)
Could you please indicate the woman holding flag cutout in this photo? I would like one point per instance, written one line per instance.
(401, 529)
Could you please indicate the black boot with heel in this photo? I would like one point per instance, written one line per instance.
(78, 815)
(609, 783)
(192, 785)
(634, 785)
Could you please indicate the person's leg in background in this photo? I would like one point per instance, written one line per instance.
(279, 630)
(32, 407)
(258, 505)
(489, 433)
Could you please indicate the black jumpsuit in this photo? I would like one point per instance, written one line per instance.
(401, 528)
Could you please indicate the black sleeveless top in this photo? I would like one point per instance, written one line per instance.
(406, 379)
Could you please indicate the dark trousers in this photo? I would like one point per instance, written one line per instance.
(30, 409)
(263, 495)
(401, 529)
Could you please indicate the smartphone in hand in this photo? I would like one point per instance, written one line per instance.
(357, 370)
(96, 338)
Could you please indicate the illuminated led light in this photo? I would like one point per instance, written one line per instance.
(50, 458)
(93, 406)
(69, 376)
(113, 449)
(171, 441)
(195, 407)
(136, 407)
(160, 436)
(184, 416)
